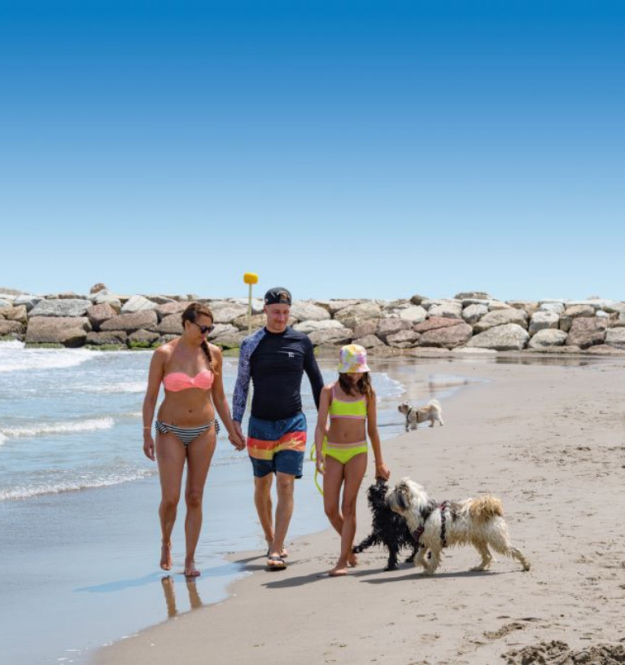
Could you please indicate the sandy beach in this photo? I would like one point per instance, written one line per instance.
(546, 439)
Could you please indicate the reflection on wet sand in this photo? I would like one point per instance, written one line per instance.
(170, 595)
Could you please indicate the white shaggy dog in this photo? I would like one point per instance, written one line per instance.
(432, 412)
(478, 522)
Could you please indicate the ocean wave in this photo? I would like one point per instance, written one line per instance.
(2, 438)
(14, 357)
(112, 388)
(30, 491)
(67, 427)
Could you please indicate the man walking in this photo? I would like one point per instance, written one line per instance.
(275, 358)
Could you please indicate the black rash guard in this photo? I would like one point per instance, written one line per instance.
(276, 364)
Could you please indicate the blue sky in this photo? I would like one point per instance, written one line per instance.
(370, 149)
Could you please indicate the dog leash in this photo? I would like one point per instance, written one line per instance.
(313, 458)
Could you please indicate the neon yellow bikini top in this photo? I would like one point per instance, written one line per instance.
(353, 409)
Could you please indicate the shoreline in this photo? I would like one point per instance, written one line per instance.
(445, 618)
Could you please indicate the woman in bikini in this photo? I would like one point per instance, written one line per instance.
(190, 370)
(341, 450)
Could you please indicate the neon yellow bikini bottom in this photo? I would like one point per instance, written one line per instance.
(343, 452)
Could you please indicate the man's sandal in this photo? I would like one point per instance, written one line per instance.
(275, 562)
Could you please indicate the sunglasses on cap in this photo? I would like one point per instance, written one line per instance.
(204, 329)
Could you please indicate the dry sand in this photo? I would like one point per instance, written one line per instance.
(550, 442)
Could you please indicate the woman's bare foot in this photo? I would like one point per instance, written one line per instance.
(352, 560)
(190, 570)
(166, 556)
(338, 571)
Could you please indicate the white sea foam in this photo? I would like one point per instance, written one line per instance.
(27, 492)
(2, 438)
(67, 427)
(14, 357)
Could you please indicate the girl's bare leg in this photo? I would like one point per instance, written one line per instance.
(354, 472)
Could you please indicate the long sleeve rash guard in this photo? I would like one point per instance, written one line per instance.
(275, 363)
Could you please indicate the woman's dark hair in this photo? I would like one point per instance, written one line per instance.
(362, 386)
(191, 313)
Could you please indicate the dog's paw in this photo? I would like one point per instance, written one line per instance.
(390, 567)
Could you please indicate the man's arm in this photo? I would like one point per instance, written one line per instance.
(312, 370)
(242, 386)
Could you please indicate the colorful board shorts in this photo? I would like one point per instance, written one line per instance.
(277, 445)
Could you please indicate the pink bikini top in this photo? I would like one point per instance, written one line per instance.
(180, 381)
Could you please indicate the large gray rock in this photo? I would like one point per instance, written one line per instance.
(311, 326)
(370, 342)
(614, 308)
(226, 312)
(501, 317)
(447, 338)
(354, 315)
(28, 301)
(63, 308)
(307, 311)
(620, 321)
(110, 338)
(546, 338)
(230, 340)
(575, 311)
(130, 322)
(387, 327)
(543, 320)
(435, 322)
(509, 337)
(10, 328)
(556, 307)
(586, 332)
(450, 309)
(473, 295)
(404, 339)
(106, 297)
(331, 336)
(5, 303)
(160, 299)
(473, 313)
(369, 327)
(616, 337)
(417, 299)
(15, 313)
(138, 304)
(173, 307)
(242, 323)
(170, 325)
(224, 330)
(258, 304)
(142, 339)
(334, 306)
(498, 305)
(413, 314)
(69, 331)
(98, 314)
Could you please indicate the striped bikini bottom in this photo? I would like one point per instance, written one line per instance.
(185, 434)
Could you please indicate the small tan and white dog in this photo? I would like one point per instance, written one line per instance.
(432, 411)
(478, 522)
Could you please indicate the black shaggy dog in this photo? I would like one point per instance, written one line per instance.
(389, 528)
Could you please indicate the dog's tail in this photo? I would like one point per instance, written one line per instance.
(484, 508)
(435, 403)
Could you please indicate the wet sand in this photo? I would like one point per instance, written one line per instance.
(549, 441)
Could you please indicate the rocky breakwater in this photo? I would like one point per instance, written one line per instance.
(472, 322)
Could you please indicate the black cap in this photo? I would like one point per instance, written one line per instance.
(278, 295)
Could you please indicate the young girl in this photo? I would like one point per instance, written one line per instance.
(350, 403)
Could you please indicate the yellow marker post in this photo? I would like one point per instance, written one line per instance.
(250, 278)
